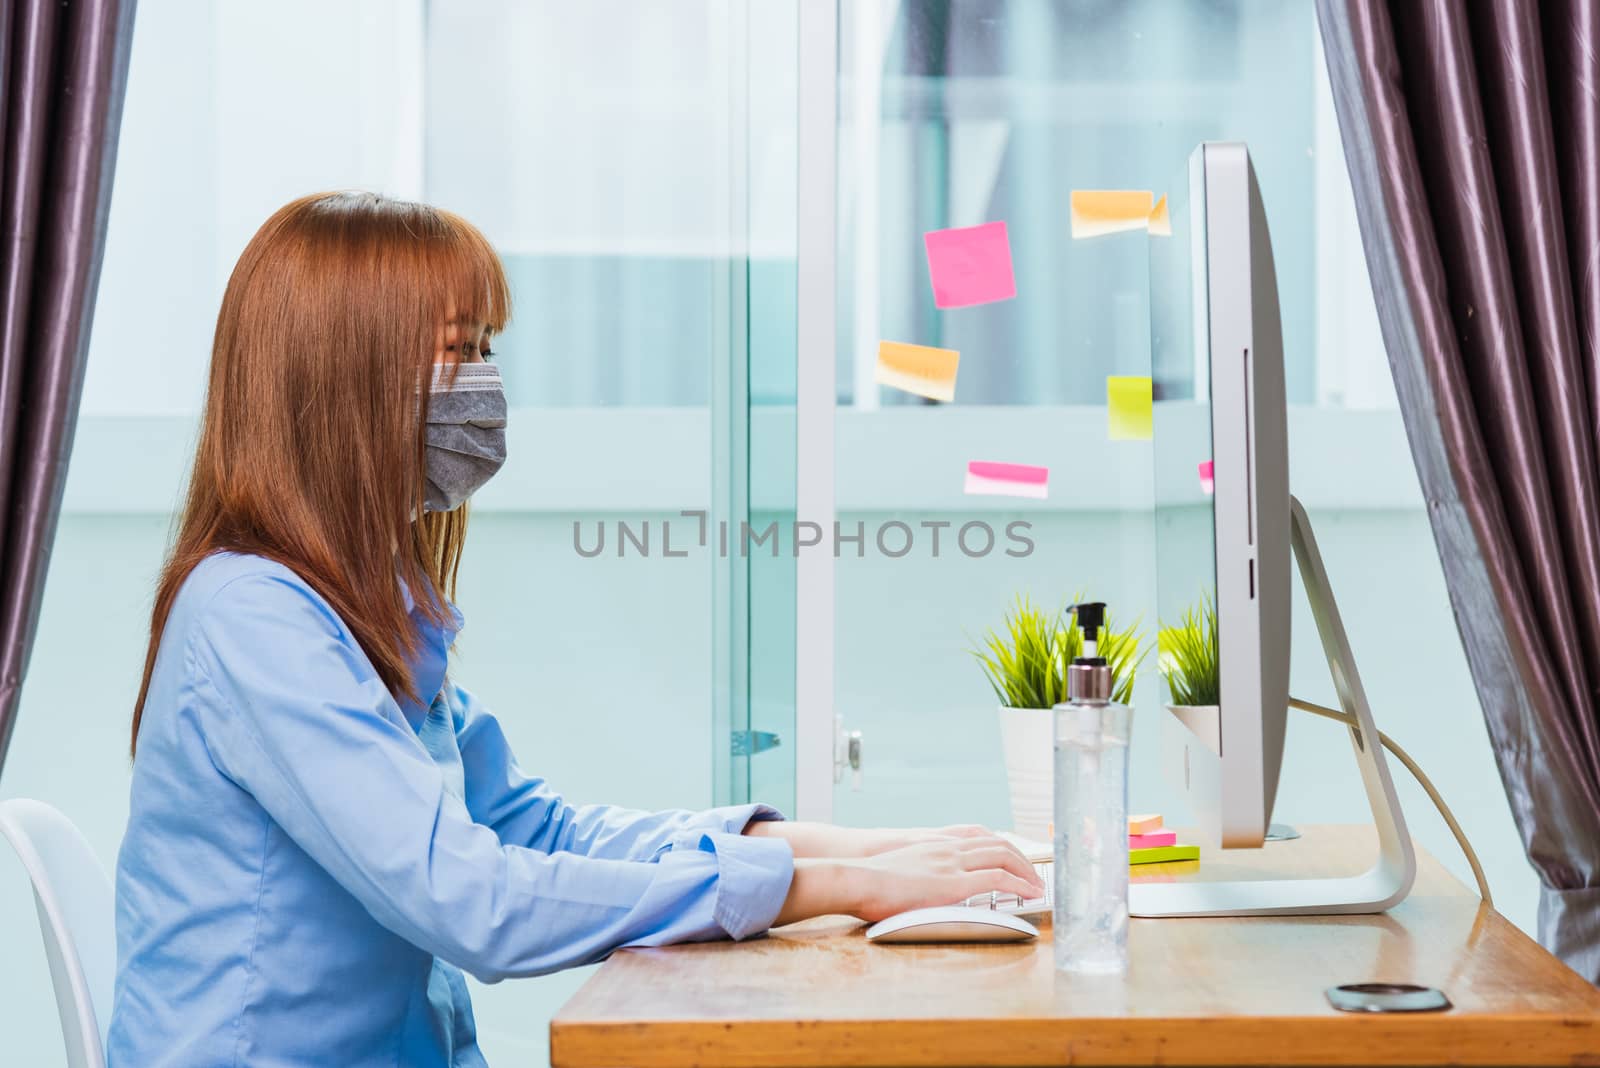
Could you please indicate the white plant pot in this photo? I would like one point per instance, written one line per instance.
(1205, 721)
(1028, 737)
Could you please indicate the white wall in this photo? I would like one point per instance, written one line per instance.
(222, 125)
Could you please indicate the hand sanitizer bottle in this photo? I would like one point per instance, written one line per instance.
(1091, 810)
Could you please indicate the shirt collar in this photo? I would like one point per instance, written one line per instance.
(448, 630)
(432, 659)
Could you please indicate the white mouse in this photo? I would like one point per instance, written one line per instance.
(952, 923)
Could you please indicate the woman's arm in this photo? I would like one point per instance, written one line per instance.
(525, 810)
(328, 755)
(827, 840)
(848, 871)
(938, 872)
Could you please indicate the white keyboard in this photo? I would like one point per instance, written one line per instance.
(1015, 904)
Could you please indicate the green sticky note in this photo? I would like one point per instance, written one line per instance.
(1163, 854)
(1128, 408)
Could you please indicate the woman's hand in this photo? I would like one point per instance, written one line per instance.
(826, 840)
(888, 839)
(942, 871)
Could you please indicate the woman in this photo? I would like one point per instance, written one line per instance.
(325, 830)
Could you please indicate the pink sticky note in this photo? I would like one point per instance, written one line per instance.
(970, 265)
(1152, 840)
(1208, 482)
(1007, 480)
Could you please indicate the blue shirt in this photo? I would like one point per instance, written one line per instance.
(310, 865)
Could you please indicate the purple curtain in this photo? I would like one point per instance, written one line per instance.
(1472, 132)
(63, 68)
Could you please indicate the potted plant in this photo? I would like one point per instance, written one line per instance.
(1025, 661)
(1189, 662)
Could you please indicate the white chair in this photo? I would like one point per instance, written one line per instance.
(75, 904)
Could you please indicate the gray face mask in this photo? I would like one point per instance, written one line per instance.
(466, 433)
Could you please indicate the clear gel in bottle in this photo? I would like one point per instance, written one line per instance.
(1091, 813)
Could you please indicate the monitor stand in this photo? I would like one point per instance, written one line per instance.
(1389, 880)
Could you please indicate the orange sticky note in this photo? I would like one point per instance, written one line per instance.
(920, 369)
(1098, 212)
(1128, 408)
(1144, 824)
(1160, 222)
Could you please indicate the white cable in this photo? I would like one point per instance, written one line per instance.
(1422, 780)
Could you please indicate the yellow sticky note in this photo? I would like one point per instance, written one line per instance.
(1160, 222)
(1098, 212)
(920, 369)
(1128, 404)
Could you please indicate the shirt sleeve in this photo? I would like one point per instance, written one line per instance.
(526, 811)
(293, 712)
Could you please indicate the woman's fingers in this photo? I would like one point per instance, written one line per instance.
(981, 841)
(995, 841)
(978, 882)
(966, 830)
(1003, 858)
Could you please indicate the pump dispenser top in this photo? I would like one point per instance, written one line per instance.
(1089, 676)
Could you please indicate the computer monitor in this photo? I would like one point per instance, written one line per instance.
(1217, 365)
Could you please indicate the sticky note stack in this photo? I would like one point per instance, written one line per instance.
(1149, 843)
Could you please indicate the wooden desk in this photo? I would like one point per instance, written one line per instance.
(1198, 991)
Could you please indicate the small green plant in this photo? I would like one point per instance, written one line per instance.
(1188, 656)
(1026, 660)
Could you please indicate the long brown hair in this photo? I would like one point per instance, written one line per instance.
(312, 444)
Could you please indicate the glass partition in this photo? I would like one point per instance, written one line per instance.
(960, 113)
(1185, 534)
(634, 164)
(955, 113)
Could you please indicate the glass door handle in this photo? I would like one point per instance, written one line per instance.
(846, 753)
(749, 743)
